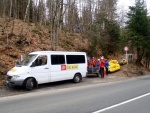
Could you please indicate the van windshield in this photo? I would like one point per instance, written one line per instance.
(29, 58)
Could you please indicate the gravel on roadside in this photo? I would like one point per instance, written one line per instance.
(91, 79)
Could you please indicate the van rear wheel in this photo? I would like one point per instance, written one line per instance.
(77, 78)
(30, 84)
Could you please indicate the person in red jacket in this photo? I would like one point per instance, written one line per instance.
(94, 61)
(102, 66)
(89, 63)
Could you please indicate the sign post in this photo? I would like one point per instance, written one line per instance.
(126, 50)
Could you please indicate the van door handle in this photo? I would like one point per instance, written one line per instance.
(46, 68)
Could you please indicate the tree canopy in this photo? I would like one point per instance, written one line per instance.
(138, 28)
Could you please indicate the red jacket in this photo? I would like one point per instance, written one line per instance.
(89, 63)
(94, 61)
(102, 63)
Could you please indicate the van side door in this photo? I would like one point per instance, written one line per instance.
(58, 67)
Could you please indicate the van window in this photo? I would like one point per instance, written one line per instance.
(29, 58)
(75, 59)
(57, 59)
(41, 60)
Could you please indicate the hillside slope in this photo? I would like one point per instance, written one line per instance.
(34, 38)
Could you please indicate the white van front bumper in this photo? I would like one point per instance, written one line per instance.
(14, 82)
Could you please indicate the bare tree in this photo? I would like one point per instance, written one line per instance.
(27, 8)
(4, 17)
(10, 12)
(42, 12)
(55, 13)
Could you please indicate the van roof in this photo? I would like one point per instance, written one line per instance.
(40, 52)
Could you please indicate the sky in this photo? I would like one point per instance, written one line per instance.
(123, 8)
(124, 4)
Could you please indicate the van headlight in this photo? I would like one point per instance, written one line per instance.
(15, 76)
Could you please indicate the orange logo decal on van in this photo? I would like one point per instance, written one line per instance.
(63, 67)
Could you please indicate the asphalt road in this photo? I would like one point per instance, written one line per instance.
(128, 96)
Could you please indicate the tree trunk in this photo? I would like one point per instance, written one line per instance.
(14, 16)
(55, 15)
(51, 23)
(140, 53)
(4, 17)
(27, 8)
(10, 12)
(61, 14)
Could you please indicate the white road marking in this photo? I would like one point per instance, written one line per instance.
(122, 103)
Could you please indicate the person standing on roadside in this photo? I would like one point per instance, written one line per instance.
(102, 66)
(106, 66)
(98, 66)
(98, 63)
(94, 61)
(88, 63)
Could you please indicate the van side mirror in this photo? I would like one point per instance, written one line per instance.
(17, 63)
(33, 64)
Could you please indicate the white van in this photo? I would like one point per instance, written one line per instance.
(48, 66)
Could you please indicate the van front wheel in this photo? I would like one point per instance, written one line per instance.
(29, 84)
(77, 78)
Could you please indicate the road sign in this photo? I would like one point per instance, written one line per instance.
(126, 48)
